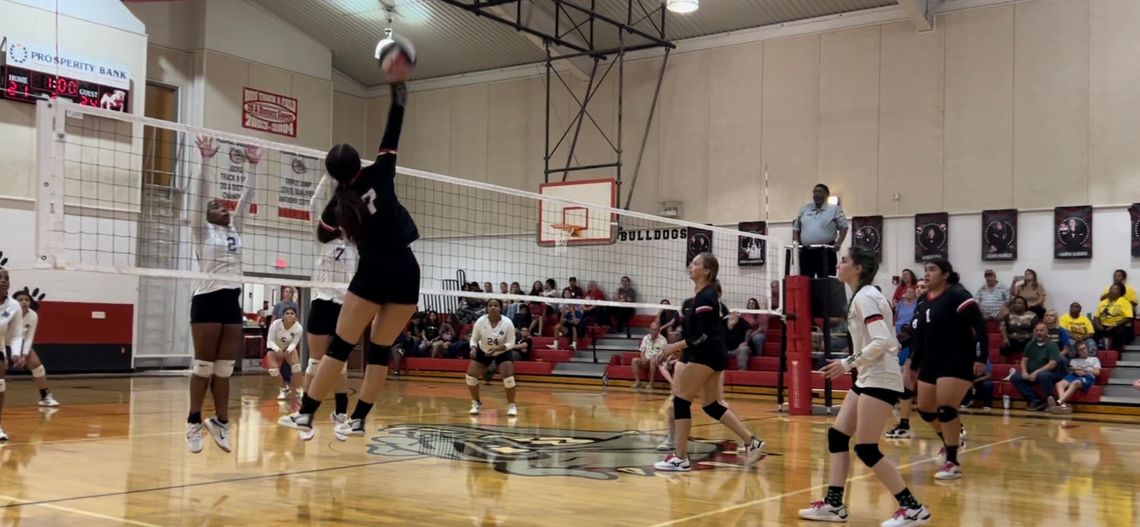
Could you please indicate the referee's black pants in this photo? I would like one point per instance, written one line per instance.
(817, 262)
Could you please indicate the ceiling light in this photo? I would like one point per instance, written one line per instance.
(682, 6)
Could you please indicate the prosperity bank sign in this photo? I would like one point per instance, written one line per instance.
(268, 112)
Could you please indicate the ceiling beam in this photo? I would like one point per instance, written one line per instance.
(919, 12)
(538, 19)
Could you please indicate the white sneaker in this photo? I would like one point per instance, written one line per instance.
(49, 401)
(302, 423)
(574, 346)
(754, 452)
(905, 517)
(822, 512)
(898, 432)
(337, 418)
(193, 437)
(948, 471)
(4, 437)
(672, 463)
(553, 345)
(475, 407)
(220, 432)
(512, 410)
(667, 445)
(283, 394)
(1010, 375)
(351, 427)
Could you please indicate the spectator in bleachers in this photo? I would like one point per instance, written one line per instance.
(667, 319)
(1120, 276)
(983, 389)
(487, 288)
(550, 289)
(906, 281)
(433, 334)
(416, 341)
(1082, 376)
(594, 314)
(1079, 326)
(650, 348)
(1113, 318)
(736, 339)
(537, 309)
(523, 344)
(1017, 328)
(993, 299)
(570, 322)
(575, 291)
(447, 339)
(905, 307)
(513, 305)
(758, 323)
(1061, 337)
(1039, 365)
(775, 293)
(523, 317)
(622, 315)
(469, 310)
(1033, 292)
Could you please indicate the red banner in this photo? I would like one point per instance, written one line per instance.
(268, 112)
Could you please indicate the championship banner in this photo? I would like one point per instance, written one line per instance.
(298, 181)
(268, 112)
(867, 232)
(750, 252)
(931, 236)
(999, 235)
(697, 241)
(1072, 232)
(1134, 216)
(231, 173)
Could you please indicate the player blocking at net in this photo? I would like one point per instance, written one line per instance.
(869, 404)
(215, 310)
(385, 288)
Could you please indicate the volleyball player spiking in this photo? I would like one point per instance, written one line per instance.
(705, 359)
(948, 350)
(492, 339)
(336, 260)
(385, 288)
(869, 403)
(27, 356)
(215, 310)
(11, 333)
(284, 338)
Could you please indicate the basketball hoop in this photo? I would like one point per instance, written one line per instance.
(562, 234)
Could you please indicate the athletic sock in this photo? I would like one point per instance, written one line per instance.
(341, 403)
(44, 392)
(906, 499)
(194, 418)
(952, 454)
(309, 405)
(834, 496)
(223, 421)
(362, 409)
(904, 423)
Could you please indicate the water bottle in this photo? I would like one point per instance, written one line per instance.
(1005, 401)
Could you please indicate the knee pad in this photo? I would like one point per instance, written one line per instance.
(274, 372)
(296, 367)
(3, 386)
(379, 355)
(868, 453)
(715, 410)
(313, 363)
(837, 442)
(906, 395)
(39, 372)
(682, 409)
(947, 413)
(929, 417)
(472, 381)
(223, 369)
(509, 382)
(339, 348)
(203, 368)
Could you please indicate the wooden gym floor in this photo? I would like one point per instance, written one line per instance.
(114, 454)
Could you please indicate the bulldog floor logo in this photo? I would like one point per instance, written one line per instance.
(587, 454)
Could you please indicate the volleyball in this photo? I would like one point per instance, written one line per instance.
(395, 54)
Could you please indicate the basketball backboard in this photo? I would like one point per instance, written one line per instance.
(591, 226)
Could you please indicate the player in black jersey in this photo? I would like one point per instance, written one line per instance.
(384, 289)
(705, 359)
(902, 430)
(948, 350)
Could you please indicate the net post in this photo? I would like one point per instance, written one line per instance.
(50, 140)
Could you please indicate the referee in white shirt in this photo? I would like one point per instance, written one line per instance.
(819, 223)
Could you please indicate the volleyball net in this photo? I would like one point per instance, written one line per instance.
(124, 194)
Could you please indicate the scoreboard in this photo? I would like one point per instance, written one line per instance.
(22, 84)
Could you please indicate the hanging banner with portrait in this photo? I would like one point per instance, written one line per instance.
(750, 251)
(931, 236)
(1134, 226)
(1072, 232)
(697, 241)
(867, 232)
(999, 235)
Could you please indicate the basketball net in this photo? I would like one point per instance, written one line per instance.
(562, 234)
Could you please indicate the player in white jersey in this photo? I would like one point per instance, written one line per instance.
(868, 405)
(492, 337)
(11, 332)
(336, 261)
(284, 338)
(27, 357)
(215, 311)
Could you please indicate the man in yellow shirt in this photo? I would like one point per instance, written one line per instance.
(1113, 318)
(1079, 326)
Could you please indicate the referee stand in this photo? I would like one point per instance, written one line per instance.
(806, 299)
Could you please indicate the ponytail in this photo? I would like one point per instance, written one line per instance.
(349, 211)
(954, 278)
(867, 260)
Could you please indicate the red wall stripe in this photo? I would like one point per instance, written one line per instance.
(76, 323)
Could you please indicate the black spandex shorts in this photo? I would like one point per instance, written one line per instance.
(218, 307)
(716, 361)
(955, 367)
(890, 397)
(322, 317)
(392, 278)
(486, 360)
